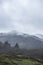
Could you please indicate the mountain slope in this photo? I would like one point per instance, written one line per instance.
(39, 35)
(24, 40)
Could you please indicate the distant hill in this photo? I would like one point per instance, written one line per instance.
(24, 40)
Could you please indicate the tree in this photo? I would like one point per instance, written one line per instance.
(16, 46)
(6, 44)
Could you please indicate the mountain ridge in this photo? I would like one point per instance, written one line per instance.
(24, 40)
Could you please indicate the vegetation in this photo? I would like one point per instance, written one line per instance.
(16, 56)
(17, 60)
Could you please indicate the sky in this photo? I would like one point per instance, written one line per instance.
(24, 16)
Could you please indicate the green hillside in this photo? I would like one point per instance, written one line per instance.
(15, 60)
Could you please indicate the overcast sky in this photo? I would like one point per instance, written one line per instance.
(21, 15)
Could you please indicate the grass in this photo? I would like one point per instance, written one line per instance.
(14, 60)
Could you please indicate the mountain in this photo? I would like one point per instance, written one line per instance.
(39, 35)
(24, 40)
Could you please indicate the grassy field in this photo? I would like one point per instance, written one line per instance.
(14, 60)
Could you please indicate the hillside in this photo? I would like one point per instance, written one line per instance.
(24, 40)
(17, 60)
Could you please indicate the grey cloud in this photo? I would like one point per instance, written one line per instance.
(26, 15)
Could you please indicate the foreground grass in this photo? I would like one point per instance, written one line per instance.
(14, 60)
